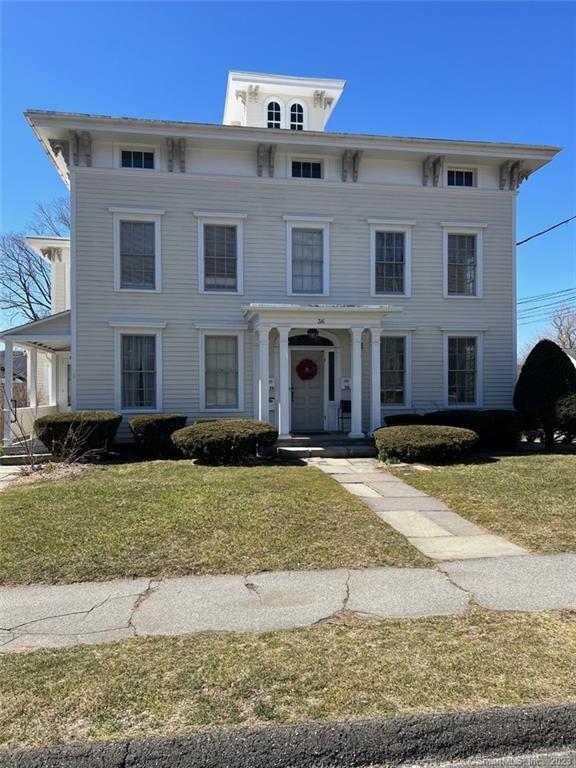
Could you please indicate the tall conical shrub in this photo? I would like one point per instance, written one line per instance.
(547, 375)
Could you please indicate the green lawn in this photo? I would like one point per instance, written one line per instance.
(529, 499)
(171, 518)
(165, 686)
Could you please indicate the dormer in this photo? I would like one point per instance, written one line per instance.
(257, 100)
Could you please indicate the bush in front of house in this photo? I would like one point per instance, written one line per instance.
(153, 431)
(547, 376)
(496, 429)
(78, 435)
(423, 442)
(225, 441)
(565, 415)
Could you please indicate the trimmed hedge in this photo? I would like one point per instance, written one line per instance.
(224, 441)
(78, 434)
(423, 442)
(154, 431)
(565, 415)
(496, 429)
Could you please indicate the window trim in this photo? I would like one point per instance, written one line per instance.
(126, 214)
(222, 331)
(461, 168)
(479, 336)
(302, 159)
(282, 112)
(138, 329)
(391, 226)
(407, 336)
(464, 229)
(222, 219)
(288, 120)
(313, 222)
(119, 146)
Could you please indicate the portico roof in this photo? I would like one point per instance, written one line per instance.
(318, 315)
(50, 333)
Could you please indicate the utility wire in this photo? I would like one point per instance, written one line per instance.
(549, 306)
(541, 296)
(566, 221)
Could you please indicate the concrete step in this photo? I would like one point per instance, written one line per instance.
(23, 459)
(327, 452)
(323, 440)
(19, 447)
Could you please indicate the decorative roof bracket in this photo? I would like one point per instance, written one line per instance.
(61, 147)
(427, 170)
(170, 148)
(271, 155)
(346, 161)
(182, 153)
(260, 153)
(75, 145)
(86, 140)
(437, 165)
(356, 157)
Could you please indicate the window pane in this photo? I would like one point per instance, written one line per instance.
(274, 115)
(138, 373)
(462, 265)
(462, 368)
(126, 159)
(390, 262)
(392, 370)
(307, 261)
(221, 371)
(220, 257)
(296, 117)
(138, 254)
(456, 178)
(148, 159)
(306, 170)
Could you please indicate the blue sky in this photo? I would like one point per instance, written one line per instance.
(468, 70)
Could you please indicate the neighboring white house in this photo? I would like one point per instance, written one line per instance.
(267, 268)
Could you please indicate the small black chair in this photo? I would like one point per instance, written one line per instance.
(344, 412)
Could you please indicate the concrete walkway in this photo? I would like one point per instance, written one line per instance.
(44, 616)
(427, 523)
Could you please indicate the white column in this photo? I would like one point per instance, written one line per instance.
(263, 374)
(285, 400)
(8, 392)
(33, 378)
(356, 416)
(55, 397)
(375, 407)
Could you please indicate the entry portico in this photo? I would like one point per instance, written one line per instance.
(331, 333)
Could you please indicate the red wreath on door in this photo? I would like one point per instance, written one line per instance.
(307, 369)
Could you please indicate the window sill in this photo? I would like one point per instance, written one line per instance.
(310, 295)
(391, 295)
(220, 292)
(138, 290)
(131, 411)
(461, 296)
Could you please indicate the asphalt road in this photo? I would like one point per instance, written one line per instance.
(398, 741)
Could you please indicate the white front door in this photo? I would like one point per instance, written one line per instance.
(307, 392)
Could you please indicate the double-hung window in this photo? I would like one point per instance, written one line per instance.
(138, 366)
(273, 115)
(390, 258)
(463, 262)
(308, 257)
(222, 371)
(306, 169)
(136, 250)
(463, 357)
(220, 246)
(393, 358)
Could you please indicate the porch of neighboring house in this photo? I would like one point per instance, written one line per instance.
(47, 343)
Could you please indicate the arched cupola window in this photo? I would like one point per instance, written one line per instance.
(273, 115)
(296, 117)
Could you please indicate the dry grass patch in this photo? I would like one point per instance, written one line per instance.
(360, 669)
(529, 499)
(172, 518)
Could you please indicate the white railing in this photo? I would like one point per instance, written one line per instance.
(22, 422)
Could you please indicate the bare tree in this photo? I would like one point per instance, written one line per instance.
(563, 323)
(25, 276)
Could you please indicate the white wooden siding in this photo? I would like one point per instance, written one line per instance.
(266, 201)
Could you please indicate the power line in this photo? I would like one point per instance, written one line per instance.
(566, 221)
(540, 317)
(542, 296)
(548, 306)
